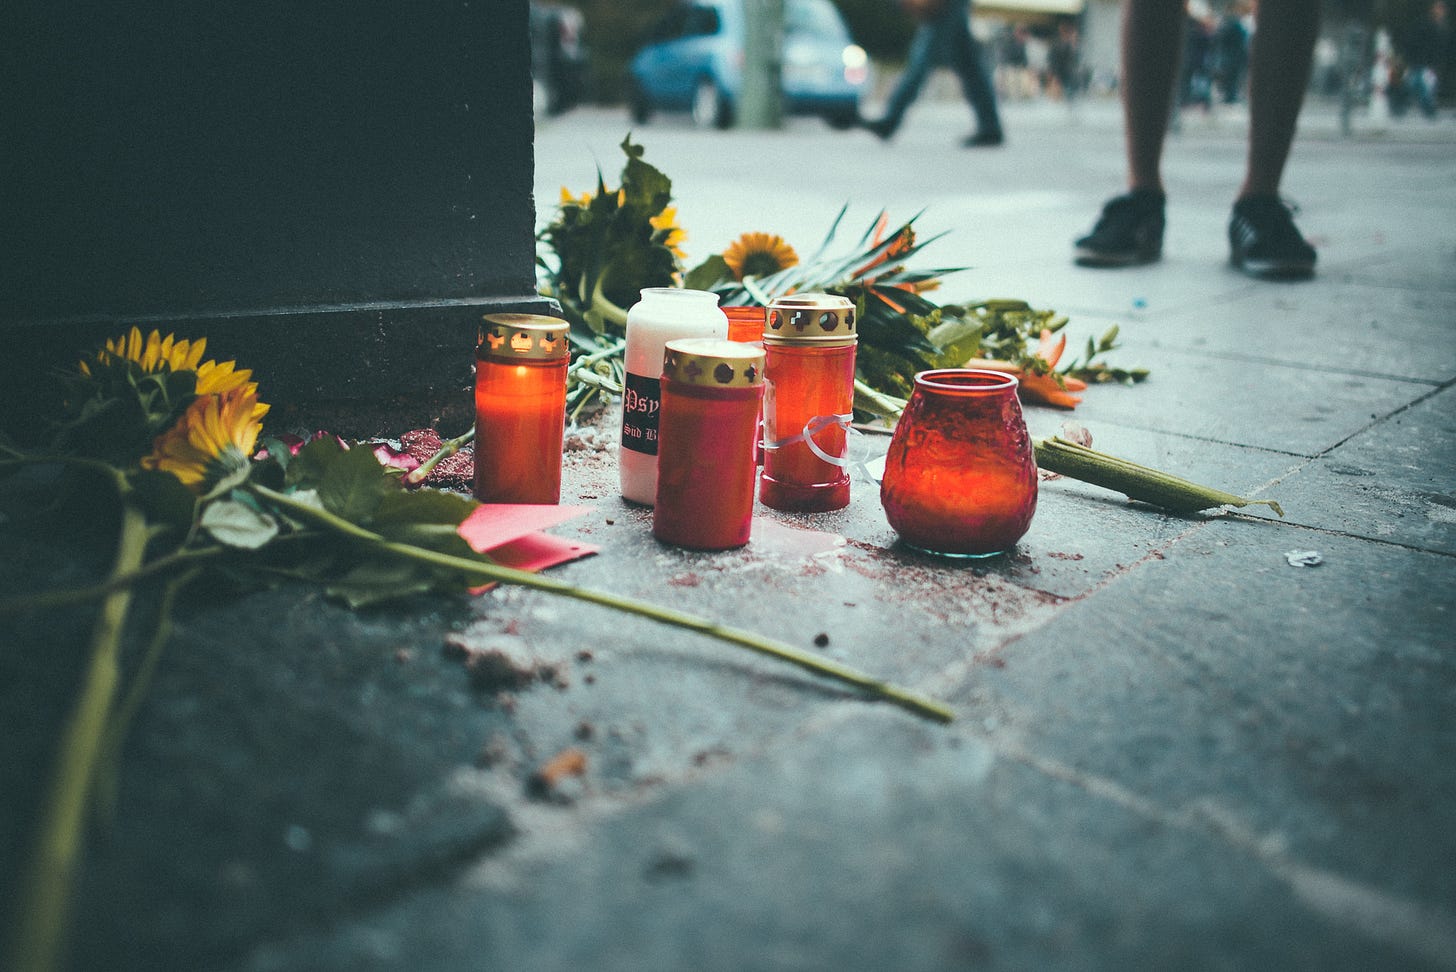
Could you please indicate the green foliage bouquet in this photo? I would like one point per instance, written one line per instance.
(603, 247)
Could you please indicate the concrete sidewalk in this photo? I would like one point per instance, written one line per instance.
(1174, 748)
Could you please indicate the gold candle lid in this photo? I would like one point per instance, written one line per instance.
(823, 319)
(713, 363)
(523, 337)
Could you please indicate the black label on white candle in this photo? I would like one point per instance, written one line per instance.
(641, 401)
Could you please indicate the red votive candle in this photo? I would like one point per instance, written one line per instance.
(960, 475)
(707, 434)
(808, 402)
(745, 324)
(520, 408)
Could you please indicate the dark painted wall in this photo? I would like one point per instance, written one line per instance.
(332, 191)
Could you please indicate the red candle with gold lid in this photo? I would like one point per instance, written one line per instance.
(520, 408)
(808, 402)
(707, 436)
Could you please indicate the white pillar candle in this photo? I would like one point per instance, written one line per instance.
(663, 314)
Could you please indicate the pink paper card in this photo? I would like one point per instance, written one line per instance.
(537, 551)
(509, 533)
(493, 524)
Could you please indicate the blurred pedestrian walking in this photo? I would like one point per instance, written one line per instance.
(1263, 240)
(944, 38)
(1231, 53)
(1064, 62)
(1428, 49)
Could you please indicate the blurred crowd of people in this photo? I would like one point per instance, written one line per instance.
(1416, 66)
(1215, 54)
(1041, 59)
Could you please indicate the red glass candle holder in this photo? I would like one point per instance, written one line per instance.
(960, 476)
(520, 408)
(707, 435)
(808, 402)
(745, 324)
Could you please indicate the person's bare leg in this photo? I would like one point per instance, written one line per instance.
(1152, 43)
(1279, 66)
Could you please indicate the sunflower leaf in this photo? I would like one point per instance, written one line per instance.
(238, 524)
(422, 506)
(350, 482)
(707, 274)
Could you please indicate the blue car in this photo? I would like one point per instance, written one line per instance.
(693, 62)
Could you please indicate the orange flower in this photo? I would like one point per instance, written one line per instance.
(211, 441)
(759, 255)
(902, 244)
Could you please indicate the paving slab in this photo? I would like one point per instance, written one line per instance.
(1392, 483)
(1234, 401)
(1382, 332)
(867, 842)
(1305, 709)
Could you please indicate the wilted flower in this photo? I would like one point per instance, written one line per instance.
(759, 255)
(211, 441)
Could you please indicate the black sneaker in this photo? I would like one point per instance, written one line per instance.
(883, 128)
(1129, 232)
(1264, 242)
(984, 140)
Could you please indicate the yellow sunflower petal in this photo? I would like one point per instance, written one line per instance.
(667, 221)
(214, 377)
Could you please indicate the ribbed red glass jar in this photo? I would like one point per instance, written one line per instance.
(520, 408)
(808, 402)
(960, 476)
(707, 433)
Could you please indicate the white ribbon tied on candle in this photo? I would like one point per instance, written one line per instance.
(812, 428)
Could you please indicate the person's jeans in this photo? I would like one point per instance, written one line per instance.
(947, 40)
(1422, 82)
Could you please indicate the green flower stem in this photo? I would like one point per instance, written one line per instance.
(447, 449)
(107, 769)
(616, 348)
(505, 575)
(41, 924)
(80, 595)
(605, 307)
(94, 465)
(878, 402)
(1059, 455)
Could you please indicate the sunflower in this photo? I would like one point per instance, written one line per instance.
(569, 199)
(152, 354)
(210, 444)
(666, 222)
(156, 353)
(758, 255)
(584, 201)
